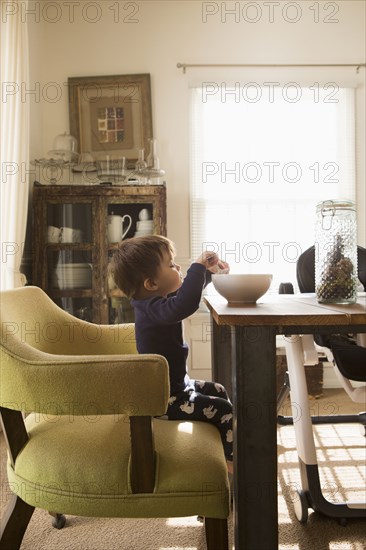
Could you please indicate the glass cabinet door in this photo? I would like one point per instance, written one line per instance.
(70, 257)
(69, 223)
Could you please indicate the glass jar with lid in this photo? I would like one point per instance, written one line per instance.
(336, 252)
(65, 147)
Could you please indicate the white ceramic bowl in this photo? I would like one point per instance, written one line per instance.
(239, 288)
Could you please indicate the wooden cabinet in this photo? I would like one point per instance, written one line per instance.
(72, 248)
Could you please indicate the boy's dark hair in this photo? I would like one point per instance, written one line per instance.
(137, 259)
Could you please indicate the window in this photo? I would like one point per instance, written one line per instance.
(261, 159)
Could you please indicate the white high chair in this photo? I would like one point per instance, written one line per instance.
(348, 357)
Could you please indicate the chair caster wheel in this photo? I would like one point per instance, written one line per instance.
(342, 521)
(59, 521)
(301, 507)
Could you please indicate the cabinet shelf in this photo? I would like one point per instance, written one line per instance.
(69, 246)
(75, 274)
(69, 293)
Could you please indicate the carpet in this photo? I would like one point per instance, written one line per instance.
(341, 457)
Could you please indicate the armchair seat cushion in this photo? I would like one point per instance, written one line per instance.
(94, 477)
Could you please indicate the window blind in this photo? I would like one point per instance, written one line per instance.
(261, 159)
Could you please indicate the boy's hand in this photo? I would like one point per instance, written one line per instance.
(221, 267)
(212, 262)
(208, 259)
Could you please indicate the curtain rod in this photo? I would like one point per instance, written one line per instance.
(185, 66)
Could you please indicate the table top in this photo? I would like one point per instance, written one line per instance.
(287, 310)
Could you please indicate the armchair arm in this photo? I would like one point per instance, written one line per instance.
(86, 385)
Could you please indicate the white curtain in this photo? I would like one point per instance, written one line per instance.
(14, 143)
(259, 165)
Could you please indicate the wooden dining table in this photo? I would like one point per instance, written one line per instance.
(244, 357)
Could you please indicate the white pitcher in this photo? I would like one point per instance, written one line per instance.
(115, 227)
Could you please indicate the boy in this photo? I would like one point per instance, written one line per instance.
(144, 269)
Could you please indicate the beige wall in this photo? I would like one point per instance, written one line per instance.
(162, 33)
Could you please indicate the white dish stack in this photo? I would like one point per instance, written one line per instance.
(69, 276)
(144, 226)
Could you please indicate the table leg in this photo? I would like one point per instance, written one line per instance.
(255, 438)
(221, 356)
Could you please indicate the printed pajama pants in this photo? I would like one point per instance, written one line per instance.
(208, 402)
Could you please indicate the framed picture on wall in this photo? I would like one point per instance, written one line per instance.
(110, 116)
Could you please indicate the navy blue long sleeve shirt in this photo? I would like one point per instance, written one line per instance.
(158, 324)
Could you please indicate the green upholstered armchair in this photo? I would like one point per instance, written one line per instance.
(78, 406)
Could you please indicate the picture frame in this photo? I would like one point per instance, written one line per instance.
(111, 116)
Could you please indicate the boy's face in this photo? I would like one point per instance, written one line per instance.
(169, 277)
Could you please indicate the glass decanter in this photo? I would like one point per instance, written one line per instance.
(141, 167)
